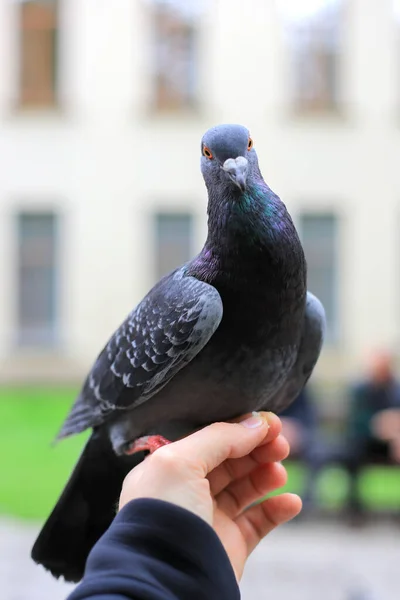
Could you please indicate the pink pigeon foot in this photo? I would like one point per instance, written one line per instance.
(148, 443)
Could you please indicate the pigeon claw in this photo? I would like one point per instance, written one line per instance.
(147, 443)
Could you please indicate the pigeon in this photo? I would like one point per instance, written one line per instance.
(232, 331)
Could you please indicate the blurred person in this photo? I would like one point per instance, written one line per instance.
(373, 426)
(188, 517)
(386, 427)
(299, 422)
(300, 425)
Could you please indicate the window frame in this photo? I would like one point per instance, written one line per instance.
(25, 96)
(32, 338)
(189, 99)
(156, 214)
(332, 336)
(295, 29)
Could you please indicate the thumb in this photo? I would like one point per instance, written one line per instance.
(212, 445)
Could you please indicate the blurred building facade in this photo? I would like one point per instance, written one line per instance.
(102, 107)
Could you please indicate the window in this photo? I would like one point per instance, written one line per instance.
(37, 270)
(174, 54)
(319, 237)
(313, 29)
(38, 53)
(173, 237)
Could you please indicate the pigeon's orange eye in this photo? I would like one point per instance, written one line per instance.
(207, 152)
(249, 144)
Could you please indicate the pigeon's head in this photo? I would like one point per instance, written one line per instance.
(227, 156)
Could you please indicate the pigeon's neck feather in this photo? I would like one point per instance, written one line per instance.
(254, 258)
(251, 238)
(251, 222)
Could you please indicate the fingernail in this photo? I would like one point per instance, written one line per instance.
(256, 420)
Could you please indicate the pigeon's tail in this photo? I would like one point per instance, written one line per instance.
(82, 416)
(85, 509)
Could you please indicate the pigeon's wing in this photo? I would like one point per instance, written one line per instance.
(307, 357)
(162, 335)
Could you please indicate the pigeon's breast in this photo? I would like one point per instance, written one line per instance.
(212, 387)
(262, 288)
(259, 315)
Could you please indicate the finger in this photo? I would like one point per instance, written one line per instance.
(274, 421)
(230, 470)
(209, 447)
(261, 519)
(235, 498)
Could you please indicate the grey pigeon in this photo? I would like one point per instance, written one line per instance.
(232, 331)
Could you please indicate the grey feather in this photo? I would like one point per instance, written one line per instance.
(310, 348)
(162, 335)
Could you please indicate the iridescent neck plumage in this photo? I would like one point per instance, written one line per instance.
(255, 216)
(248, 233)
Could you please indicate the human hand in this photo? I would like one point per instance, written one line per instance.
(394, 449)
(217, 473)
(385, 425)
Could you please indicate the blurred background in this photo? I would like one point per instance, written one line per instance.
(102, 107)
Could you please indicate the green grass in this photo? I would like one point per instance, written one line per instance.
(379, 486)
(33, 472)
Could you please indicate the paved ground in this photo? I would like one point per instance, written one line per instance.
(299, 562)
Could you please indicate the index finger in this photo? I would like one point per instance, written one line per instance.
(211, 446)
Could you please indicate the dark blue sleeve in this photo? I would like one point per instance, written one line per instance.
(154, 550)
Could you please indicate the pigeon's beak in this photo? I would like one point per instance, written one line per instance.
(236, 168)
